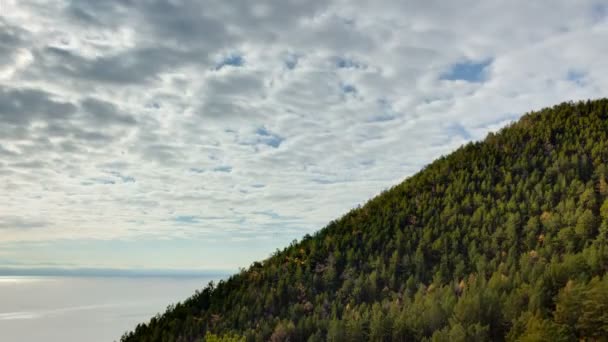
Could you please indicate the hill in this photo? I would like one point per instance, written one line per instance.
(504, 239)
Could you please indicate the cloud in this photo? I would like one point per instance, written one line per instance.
(103, 113)
(129, 67)
(16, 222)
(23, 106)
(118, 118)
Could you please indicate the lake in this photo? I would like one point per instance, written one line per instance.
(85, 308)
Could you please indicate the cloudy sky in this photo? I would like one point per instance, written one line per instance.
(205, 134)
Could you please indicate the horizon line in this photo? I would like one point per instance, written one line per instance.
(113, 272)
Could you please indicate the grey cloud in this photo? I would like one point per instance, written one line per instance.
(11, 38)
(36, 164)
(7, 153)
(184, 32)
(185, 22)
(22, 106)
(129, 67)
(189, 31)
(236, 83)
(97, 13)
(230, 94)
(10, 35)
(10, 131)
(103, 112)
(69, 130)
(55, 130)
(93, 136)
(207, 24)
(16, 222)
(70, 147)
(82, 15)
(163, 154)
(339, 36)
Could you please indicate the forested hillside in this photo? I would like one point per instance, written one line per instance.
(504, 239)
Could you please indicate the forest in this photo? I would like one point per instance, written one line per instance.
(505, 239)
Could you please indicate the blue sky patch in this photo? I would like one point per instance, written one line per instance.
(127, 179)
(599, 12)
(291, 62)
(187, 219)
(268, 138)
(123, 178)
(232, 60)
(104, 181)
(576, 76)
(458, 129)
(263, 132)
(386, 113)
(345, 63)
(223, 168)
(469, 71)
(269, 213)
(347, 88)
(326, 181)
(382, 117)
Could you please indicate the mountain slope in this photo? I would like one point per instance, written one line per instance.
(505, 239)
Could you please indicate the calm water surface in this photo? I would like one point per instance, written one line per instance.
(84, 309)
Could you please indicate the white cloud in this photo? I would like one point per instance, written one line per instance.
(116, 119)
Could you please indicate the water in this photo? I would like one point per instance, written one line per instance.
(84, 308)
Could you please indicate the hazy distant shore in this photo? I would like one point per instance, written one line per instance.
(111, 272)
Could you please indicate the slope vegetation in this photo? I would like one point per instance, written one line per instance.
(504, 239)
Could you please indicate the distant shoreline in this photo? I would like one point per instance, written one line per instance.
(110, 272)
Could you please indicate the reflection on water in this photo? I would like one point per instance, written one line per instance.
(84, 309)
(20, 279)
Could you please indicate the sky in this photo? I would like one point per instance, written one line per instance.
(206, 134)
